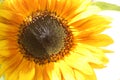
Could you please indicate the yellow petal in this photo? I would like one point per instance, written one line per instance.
(56, 71)
(4, 14)
(11, 70)
(53, 71)
(4, 44)
(67, 72)
(107, 51)
(8, 28)
(80, 63)
(94, 51)
(91, 77)
(79, 75)
(27, 72)
(8, 62)
(90, 58)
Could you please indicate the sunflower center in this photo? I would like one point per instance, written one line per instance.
(44, 37)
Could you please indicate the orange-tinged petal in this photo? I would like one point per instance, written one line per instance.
(4, 43)
(89, 11)
(8, 28)
(27, 72)
(43, 4)
(52, 4)
(6, 51)
(72, 9)
(91, 25)
(53, 71)
(97, 40)
(38, 72)
(7, 17)
(14, 5)
(45, 73)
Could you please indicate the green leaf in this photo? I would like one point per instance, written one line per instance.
(107, 6)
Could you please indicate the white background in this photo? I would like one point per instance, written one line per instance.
(112, 71)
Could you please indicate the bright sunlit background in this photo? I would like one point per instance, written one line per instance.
(112, 71)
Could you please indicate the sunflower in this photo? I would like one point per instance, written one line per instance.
(51, 40)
